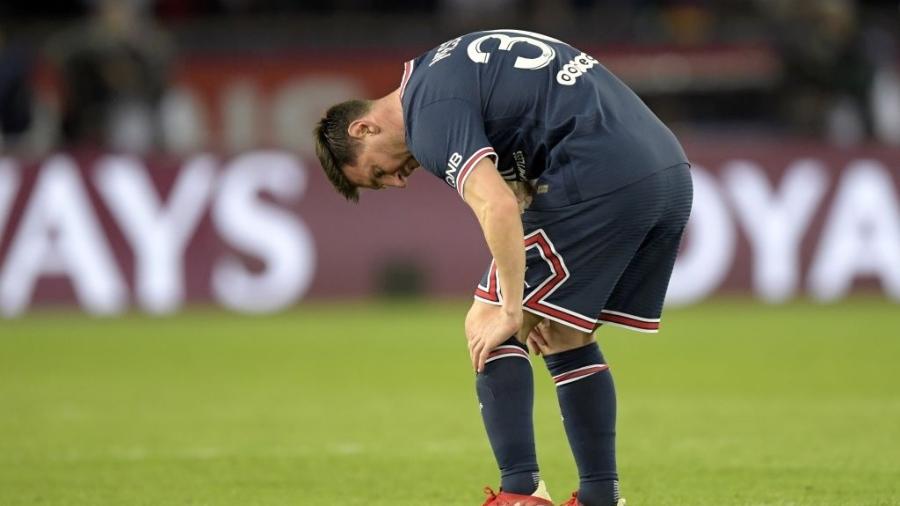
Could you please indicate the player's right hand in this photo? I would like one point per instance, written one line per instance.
(486, 328)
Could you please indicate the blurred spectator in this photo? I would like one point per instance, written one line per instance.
(15, 93)
(114, 70)
(467, 15)
(827, 75)
(689, 22)
(882, 41)
(821, 68)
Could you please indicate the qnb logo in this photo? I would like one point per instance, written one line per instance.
(452, 167)
(575, 69)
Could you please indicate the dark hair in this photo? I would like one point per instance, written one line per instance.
(334, 146)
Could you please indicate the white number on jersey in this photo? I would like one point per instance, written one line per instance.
(506, 43)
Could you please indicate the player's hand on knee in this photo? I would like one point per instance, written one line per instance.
(537, 341)
(487, 329)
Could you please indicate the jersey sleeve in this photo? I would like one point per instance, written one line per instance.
(447, 139)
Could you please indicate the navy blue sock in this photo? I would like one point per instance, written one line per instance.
(506, 392)
(587, 400)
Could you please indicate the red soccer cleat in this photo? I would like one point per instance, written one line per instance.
(539, 498)
(574, 501)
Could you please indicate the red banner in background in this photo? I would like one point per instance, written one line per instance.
(789, 219)
(260, 230)
(234, 103)
(263, 230)
(239, 102)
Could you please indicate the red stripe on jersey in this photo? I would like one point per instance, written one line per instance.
(470, 163)
(407, 73)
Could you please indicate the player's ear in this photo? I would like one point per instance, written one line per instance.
(361, 127)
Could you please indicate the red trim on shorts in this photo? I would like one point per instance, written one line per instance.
(580, 323)
(636, 323)
(489, 293)
(535, 301)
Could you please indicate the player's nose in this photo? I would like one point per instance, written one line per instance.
(395, 181)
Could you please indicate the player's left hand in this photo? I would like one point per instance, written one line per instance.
(523, 192)
(536, 341)
(486, 328)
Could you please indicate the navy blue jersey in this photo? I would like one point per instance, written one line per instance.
(546, 112)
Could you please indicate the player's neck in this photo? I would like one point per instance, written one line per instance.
(389, 112)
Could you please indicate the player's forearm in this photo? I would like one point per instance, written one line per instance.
(498, 213)
(502, 227)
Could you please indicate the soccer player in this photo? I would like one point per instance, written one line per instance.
(553, 152)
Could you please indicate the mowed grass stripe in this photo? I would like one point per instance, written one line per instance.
(733, 403)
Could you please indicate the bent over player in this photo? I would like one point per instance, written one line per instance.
(518, 122)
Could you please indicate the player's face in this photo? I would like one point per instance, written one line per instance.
(383, 162)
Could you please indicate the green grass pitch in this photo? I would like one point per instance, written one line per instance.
(373, 404)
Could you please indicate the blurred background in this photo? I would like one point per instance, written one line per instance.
(159, 152)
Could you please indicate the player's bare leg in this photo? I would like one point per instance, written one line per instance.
(587, 400)
(549, 337)
(505, 388)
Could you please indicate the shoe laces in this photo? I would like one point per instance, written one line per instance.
(491, 496)
(573, 501)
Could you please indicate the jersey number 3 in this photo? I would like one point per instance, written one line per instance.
(506, 43)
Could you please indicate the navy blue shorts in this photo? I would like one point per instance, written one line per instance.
(603, 260)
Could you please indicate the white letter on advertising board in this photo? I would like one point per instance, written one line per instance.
(862, 234)
(60, 235)
(158, 233)
(261, 229)
(775, 220)
(708, 250)
(9, 184)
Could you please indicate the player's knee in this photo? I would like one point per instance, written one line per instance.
(471, 316)
(476, 312)
(562, 338)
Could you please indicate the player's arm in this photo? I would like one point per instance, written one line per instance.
(497, 210)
